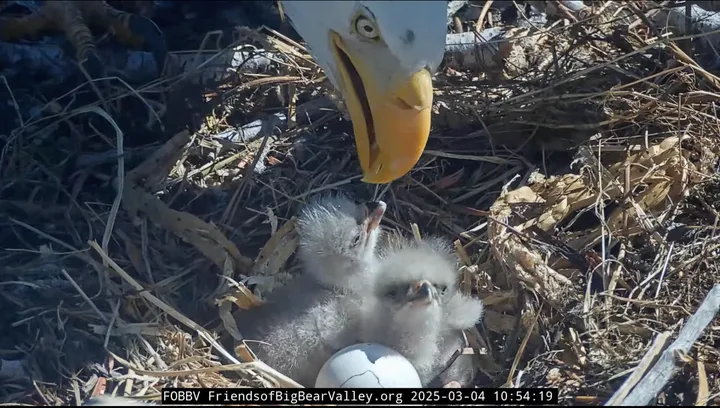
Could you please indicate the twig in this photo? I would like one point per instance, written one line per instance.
(666, 367)
(483, 13)
(416, 232)
(453, 7)
(688, 27)
(523, 346)
(644, 18)
(703, 390)
(152, 299)
(120, 171)
(650, 357)
(83, 295)
(664, 269)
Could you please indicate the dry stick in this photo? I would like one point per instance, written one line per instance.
(483, 13)
(658, 345)
(416, 232)
(703, 390)
(522, 347)
(614, 61)
(453, 7)
(277, 376)
(120, 171)
(666, 367)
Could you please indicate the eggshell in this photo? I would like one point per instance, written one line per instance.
(368, 365)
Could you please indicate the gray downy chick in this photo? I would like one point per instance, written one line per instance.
(460, 313)
(416, 308)
(338, 238)
(303, 323)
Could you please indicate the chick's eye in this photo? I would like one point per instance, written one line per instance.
(366, 28)
(442, 289)
(356, 240)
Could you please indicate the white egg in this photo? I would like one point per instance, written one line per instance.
(368, 365)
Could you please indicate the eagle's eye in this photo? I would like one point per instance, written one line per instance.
(366, 28)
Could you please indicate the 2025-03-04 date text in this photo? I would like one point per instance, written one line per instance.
(368, 396)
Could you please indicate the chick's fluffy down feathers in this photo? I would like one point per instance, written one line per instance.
(427, 335)
(338, 238)
(303, 323)
(300, 327)
(461, 313)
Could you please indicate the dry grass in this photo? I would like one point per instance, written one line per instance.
(118, 276)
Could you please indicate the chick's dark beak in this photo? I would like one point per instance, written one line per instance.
(422, 293)
(376, 210)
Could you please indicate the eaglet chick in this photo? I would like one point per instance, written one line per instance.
(417, 309)
(304, 322)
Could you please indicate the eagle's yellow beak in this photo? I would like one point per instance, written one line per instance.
(392, 124)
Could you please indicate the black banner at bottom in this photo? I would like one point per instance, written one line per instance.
(360, 396)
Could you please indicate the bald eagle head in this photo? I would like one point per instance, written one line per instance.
(381, 56)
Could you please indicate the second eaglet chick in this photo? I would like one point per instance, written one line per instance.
(460, 313)
(417, 309)
(338, 239)
(304, 322)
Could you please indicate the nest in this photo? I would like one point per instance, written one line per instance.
(574, 168)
